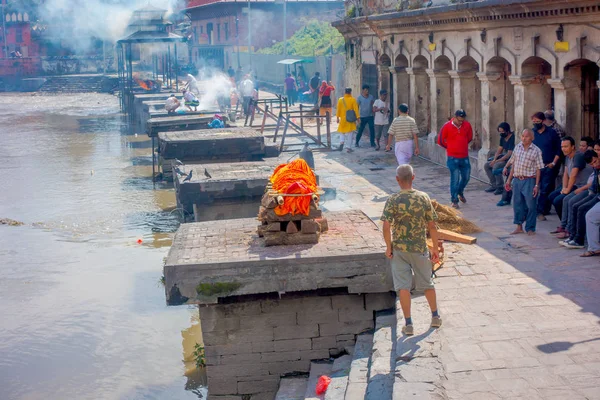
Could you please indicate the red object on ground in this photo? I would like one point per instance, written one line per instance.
(323, 384)
(139, 241)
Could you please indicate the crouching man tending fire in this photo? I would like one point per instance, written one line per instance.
(409, 215)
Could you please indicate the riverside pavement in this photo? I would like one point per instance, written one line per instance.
(521, 314)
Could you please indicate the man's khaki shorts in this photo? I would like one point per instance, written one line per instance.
(405, 264)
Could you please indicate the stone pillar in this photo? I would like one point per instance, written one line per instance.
(384, 80)
(560, 100)
(419, 101)
(433, 101)
(441, 89)
(492, 110)
(521, 117)
(456, 90)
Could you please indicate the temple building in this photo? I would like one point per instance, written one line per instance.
(499, 60)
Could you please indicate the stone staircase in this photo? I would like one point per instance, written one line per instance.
(381, 365)
(79, 84)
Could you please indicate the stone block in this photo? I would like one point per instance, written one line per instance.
(345, 337)
(340, 328)
(219, 311)
(267, 320)
(348, 315)
(324, 342)
(258, 386)
(232, 370)
(317, 316)
(321, 303)
(262, 347)
(256, 334)
(291, 345)
(215, 338)
(213, 351)
(349, 301)
(309, 226)
(342, 344)
(240, 359)
(380, 301)
(296, 331)
(221, 386)
(280, 356)
(311, 355)
(287, 367)
(220, 325)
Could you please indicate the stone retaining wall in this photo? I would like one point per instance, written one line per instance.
(250, 345)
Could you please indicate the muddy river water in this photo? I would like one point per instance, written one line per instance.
(82, 309)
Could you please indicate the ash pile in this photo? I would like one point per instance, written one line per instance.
(289, 213)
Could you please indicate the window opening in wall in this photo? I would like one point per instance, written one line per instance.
(351, 50)
(19, 35)
(226, 29)
(218, 32)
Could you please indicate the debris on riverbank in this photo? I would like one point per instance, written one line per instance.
(10, 222)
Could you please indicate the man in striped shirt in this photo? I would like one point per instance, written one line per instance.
(524, 179)
(404, 131)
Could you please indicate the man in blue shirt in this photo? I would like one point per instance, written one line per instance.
(365, 108)
(548, 141)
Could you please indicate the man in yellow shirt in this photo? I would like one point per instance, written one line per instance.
(345, 127)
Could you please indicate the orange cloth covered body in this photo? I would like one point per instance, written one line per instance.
(294, 178)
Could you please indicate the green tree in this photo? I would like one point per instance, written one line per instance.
(314, 39)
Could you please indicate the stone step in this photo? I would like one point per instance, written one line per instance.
(419, 374)
(292, 388)
(339, 377)
(383, 358)
(359, 368)
(316, 370)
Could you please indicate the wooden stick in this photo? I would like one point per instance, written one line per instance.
(450, 236)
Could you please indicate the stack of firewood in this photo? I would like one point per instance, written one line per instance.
(289, 229)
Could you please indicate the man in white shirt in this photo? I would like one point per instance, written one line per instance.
(381, 109)
(246, 89)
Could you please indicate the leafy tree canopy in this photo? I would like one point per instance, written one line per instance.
(314, 39)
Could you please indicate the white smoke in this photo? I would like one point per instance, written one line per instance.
(76, 23)
(214, 85)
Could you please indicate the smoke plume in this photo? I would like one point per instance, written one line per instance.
(76, 23)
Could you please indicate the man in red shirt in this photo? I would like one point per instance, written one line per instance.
(455, 137)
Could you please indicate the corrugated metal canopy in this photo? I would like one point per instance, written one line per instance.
(290, 61)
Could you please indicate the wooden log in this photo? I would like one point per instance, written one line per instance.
(261, 230)
(323, 225)
(266, 214)
(450, 236)
(309, 226)
(268, 201)
(274, 227)
(282, 238)
(291, 228)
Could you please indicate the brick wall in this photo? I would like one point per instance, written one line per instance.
(250, 345)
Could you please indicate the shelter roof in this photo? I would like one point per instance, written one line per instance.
(152, 37)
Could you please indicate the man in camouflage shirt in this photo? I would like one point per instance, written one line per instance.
(409, 215)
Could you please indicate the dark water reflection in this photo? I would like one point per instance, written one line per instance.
(82, 309)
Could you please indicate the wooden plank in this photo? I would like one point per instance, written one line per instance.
(450, 236)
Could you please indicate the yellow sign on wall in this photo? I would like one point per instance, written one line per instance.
(432, 47)
(561, 47)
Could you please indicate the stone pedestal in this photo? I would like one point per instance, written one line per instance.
(267, 312)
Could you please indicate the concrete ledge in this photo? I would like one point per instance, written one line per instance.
(210, 261)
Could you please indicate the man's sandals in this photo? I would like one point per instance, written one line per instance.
(590, 254)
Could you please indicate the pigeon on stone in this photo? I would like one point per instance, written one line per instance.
(177, 162)
(206, 174)
(429, 4)
(179, 171)
(189, 177)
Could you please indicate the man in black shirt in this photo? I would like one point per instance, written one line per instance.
(548, 141)
(495, 164)
(314, 84)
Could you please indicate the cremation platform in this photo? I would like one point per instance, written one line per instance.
(209, 261)
(178, 122)
(212, 183)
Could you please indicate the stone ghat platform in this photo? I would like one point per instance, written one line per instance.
(213, 183)
(211, 261)
(212, 144)
(178, 122)
(268, 312)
